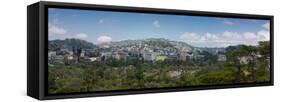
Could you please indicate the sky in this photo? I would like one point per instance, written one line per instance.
(107, 26)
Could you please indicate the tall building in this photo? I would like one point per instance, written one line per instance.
(221, 57)
(183, 56)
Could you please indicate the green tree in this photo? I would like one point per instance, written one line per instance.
(236, 59)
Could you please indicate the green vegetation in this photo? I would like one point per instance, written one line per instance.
(245, 64)
(70, 43)
(160, 58)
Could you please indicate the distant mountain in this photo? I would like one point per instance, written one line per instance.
(221, 50)
(215, 50)
(71, 43)
(152, 43)
(232, 48)
(182, 45)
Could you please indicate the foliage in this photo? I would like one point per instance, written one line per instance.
(245, 64)
(70, 43)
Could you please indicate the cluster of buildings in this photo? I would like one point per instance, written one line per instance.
(106, 53)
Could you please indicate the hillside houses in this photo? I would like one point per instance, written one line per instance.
(72, 56)
(139, 52)
(221, 57)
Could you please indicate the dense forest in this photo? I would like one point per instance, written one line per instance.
(244, 64)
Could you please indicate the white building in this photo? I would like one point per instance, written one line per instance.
(221, 57)
(52, 53)
(150, 56)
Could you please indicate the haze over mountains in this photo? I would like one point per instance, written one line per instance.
(151, 43)
(71, 43)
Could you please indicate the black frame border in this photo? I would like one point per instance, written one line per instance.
(43, 48)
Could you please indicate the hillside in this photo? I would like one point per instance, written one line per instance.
(71, 43)
(152, 43)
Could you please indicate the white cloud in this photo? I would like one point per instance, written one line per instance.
(223, 39)
(266, 26)
(54, 29)
(192, 37)
(156, 23)
(104, 38)
(81, 36)
(107, 21)
(101, 21)
(143, 14)
(231, 35)
(263, 35)
(250, 36)
(227, 22)
(209, 37)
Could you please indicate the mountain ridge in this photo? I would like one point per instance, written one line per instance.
(70, 44)
(151, 43)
